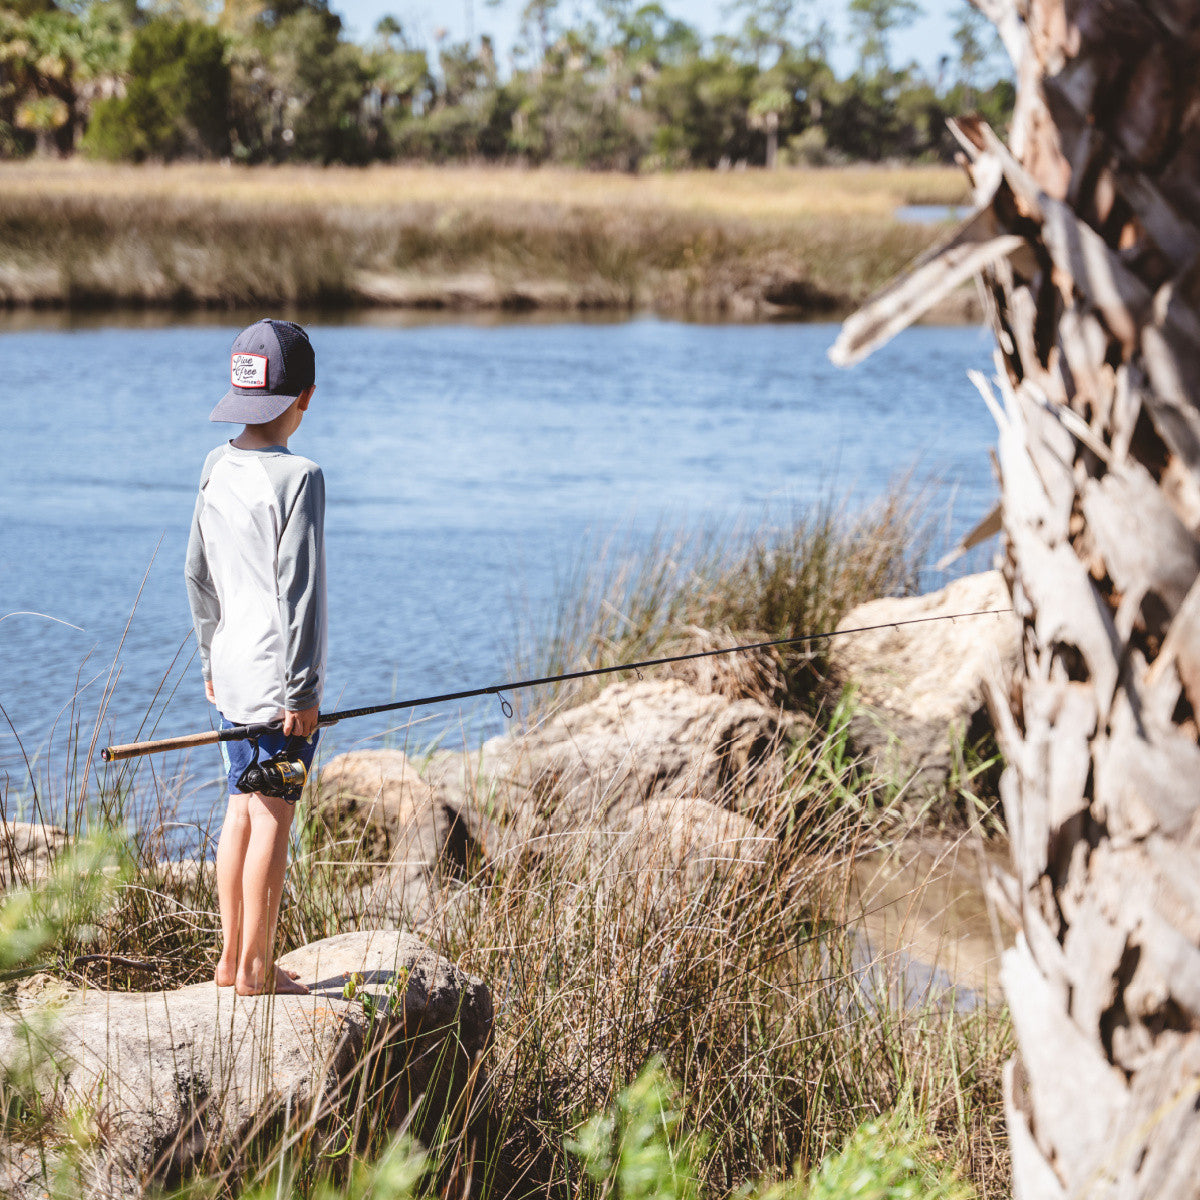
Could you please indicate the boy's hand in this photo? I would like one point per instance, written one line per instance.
(208, 691)
(300, 724)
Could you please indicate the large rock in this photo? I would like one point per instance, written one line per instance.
(649, 776)
(401, 840)
(181, 1080)
(588, 764)
(919, 687)
(676, 844)
(367, 796)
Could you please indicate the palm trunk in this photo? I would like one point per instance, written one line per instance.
(1088, 239)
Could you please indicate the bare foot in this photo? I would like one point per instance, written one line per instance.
(287, 983)
(226, 975)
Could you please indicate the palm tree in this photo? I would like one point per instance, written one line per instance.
(1087, 236)
(53, 65)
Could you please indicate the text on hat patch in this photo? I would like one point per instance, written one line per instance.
(249, 371)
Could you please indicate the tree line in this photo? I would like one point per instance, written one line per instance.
(622, 85)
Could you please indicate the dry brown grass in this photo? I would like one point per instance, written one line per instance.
(75, 233)
(737, 971)
(785, 195)
(604, 948)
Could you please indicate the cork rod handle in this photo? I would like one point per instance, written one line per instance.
(133, 749)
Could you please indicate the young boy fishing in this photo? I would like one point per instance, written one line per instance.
(256, 585)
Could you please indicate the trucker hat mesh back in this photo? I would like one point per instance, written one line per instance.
(297, 353)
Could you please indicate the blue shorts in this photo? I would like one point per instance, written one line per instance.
(239, 755)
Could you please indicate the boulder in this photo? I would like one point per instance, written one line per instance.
(920, 688)
(661, 758)
(365, 797)
(586, 765)
(22, 1172)
(182, 1080)
(680, 843)
(403, 841)
(438, 1018)
(27, 850)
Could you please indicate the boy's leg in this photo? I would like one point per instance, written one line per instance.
(231, 857)
(262, 888)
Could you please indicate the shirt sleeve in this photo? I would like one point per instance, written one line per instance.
(301, 581)
(202, 595)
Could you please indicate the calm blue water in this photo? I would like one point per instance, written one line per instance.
(931, 214)
(467, 467)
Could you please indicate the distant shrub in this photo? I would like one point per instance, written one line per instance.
(176, 103)
(810, 149)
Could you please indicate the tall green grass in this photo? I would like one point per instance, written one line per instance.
(682, 591)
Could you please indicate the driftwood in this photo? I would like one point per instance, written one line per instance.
(1088, 238)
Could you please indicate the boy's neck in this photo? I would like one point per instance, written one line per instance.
(262, 437)
(276, 432)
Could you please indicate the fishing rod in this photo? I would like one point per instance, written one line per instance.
(239, 733)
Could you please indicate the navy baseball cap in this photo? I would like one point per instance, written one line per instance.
(272, 362)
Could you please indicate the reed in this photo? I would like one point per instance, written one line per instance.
(745, 987)
(627, 598)
(72, 234)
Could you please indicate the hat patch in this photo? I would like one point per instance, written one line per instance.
(249, 371)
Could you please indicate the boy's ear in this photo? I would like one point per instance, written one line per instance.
(305, 396)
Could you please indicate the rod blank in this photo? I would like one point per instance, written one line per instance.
(241, 732)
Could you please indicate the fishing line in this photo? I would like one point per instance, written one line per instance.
(244, 732)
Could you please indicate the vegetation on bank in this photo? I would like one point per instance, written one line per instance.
(771, 1071)
(733, 243)
(685, 592)
(610, 83)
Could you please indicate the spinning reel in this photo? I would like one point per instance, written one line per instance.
(278, 775)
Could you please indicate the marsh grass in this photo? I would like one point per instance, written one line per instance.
(628, 599)
(742, 981)
(604, 950)
(455, 237)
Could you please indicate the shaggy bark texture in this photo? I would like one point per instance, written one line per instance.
(1087, 237)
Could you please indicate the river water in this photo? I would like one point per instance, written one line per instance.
(468, 465)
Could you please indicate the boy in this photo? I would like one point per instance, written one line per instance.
(256, 585)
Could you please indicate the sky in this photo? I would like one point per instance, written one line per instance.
(925, 41)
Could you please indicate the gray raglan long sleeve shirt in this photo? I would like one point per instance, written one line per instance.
(256, 581)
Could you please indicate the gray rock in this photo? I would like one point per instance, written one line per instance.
(659, 756)
(921, 687)
(438, 1018)
(403, 842)
(588, 764)
(22, 1174)
(680, 843)
(367, 796)
(183, 1080)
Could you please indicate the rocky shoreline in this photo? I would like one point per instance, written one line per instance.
(659, 782)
